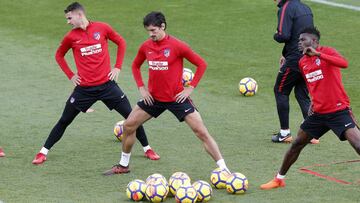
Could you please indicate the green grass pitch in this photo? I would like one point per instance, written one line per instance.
(235, 38)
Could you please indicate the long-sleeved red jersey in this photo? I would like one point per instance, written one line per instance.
(323, 79)
(90, 51)
(165, 62)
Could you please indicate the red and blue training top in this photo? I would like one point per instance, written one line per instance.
(91, 54)
(165, 63)
(323, 79)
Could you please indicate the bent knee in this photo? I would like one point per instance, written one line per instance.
(129, 126)
(202, 133)
(298, 145)
(65, 122)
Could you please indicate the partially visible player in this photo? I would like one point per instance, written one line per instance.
(320, 67)
(94, 80)
(293, 16)
(164, 55)
(2, 153)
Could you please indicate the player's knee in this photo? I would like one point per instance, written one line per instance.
(129, 127)
(297, 145)
(64, 121)
(201, 133)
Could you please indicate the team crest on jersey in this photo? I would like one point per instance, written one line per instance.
(167, 53)
(97, 35)
(317, 62)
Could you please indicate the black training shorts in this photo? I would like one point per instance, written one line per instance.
(180, 110)
(84, 97)
(316, 125)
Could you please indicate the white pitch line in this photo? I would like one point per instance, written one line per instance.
(355, 8)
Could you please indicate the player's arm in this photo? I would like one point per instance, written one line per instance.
(200, 64)
(121, 48)
(60, 59)
(334, 58)
(197, 60)
(285, 23)
(329, 55)
(121, 45)
(135, 67)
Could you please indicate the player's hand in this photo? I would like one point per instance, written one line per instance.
(183, 95)
(148, 99)
(282, 61)
(76, 80)
(310, 51)
(114, 74)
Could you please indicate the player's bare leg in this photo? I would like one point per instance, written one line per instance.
(353, 136)
(293, 153)
(197, 126)
(136, 118)
(291, 156)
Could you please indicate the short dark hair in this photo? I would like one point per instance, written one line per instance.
(311, 30)
(74, 6)
(154, 18)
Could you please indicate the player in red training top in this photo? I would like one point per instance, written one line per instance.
(94, 79)
(164, 55)
(320, 67)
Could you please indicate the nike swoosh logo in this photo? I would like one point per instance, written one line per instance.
(282, 139)
(346, 125)
(187, 110)
(122, 96)
(78, 41)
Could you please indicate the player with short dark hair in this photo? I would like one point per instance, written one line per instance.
(164, 55)
(94, 80)
(293, 16)
(320, 67)
(74, 6)
(156, 19)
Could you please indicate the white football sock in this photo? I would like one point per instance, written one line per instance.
(44, 151)
(284, 132)
(222, 165)
(278, 176)
(125, 158)
(146, 148)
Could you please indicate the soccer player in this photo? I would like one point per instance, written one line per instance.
(293, 16)
(320, 67)
(2, 153)
(164, 55)
(94, 79)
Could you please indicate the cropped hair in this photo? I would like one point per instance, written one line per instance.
(74, 6)
(311, 30)
(154, 18)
